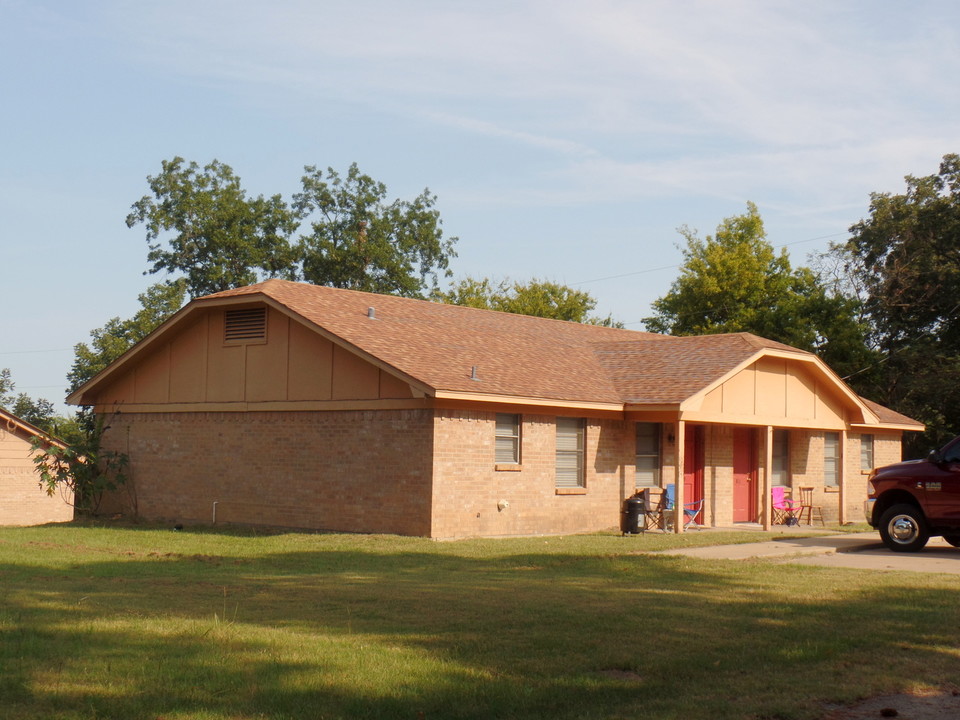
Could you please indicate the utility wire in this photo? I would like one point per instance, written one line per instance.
(676, 265)
(29, 352)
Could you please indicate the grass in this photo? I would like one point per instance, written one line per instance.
(112, 622)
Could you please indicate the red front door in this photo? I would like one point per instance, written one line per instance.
(744, 475)
(693, 467)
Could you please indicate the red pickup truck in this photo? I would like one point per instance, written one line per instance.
(911, 501)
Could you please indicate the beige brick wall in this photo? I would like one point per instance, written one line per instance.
(806, 450)
(22, 501)
(887, 449)
(421, 472)
(363, 471)
(473, 498)
(718, 475)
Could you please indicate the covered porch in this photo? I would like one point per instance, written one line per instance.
(782, 420)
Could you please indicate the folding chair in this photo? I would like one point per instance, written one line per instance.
(785, 510)
(653, 499)
(690, 509)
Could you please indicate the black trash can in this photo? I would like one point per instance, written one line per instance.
(633, 520)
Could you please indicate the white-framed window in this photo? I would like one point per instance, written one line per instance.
(831, 459)
(507, 450)
(571, 442)
(781, 458)
(648, 455)
(866, 453)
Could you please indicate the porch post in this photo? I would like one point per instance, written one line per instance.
(678, 473)
(842, 495)
(767, 484)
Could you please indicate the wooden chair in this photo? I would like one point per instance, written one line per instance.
(807, 506)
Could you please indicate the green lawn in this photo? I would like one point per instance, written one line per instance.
(101, 622)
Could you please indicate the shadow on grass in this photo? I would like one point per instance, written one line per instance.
(380, 634)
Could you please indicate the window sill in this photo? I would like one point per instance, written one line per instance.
(507, 467)
(831, 489)
(571, 491)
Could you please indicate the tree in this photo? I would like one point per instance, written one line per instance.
(736, 282)
(40, 412)
(82, 469)
(222, 239)
(540, 298)
(906, 257)
(158, 303)
(357, 240)
(201, 224)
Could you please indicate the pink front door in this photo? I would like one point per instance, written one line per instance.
(693, 467)
(744, 475)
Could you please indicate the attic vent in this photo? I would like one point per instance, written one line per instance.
(245, 325)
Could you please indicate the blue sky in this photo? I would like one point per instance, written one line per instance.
(565, 140)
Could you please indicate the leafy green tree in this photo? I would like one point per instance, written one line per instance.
(83, 467)
(158, 303)
(6, 389)
(906, 257)
(734, 281)
(39, 412)
(360, 241)
(540, 298)
(201, 225)
(221, 238)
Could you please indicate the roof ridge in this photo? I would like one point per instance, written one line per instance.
(266, 287)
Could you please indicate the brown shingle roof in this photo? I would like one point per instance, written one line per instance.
(890, 417)
(515, 355)
(436, 346)
(672, 371)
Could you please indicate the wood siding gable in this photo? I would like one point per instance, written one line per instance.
(196, 366)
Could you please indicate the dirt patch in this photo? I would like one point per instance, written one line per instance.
(936, 705)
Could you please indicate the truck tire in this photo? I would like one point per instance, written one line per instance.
(903, 528)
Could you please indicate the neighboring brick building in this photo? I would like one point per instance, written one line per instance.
(293, 405)
(22, 500)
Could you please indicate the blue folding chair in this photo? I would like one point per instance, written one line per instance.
(690, 509)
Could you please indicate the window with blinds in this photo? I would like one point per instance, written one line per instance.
(866, 453)
(831, 459)
(571, 436)
(245, 325)
(507, 450)
(648, 455)
(781, 457)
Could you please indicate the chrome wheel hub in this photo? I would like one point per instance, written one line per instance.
(903, 529)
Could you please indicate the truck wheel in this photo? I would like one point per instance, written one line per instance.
(903, 528)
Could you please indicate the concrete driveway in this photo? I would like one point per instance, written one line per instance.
(863, 551)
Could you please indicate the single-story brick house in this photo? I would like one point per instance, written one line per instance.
(287, 404)
(22, 500)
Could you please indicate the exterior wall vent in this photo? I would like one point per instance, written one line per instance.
(246, 325)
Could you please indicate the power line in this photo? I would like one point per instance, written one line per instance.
(676, 265)
(30, 352)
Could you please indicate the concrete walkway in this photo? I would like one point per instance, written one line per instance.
(851, 550)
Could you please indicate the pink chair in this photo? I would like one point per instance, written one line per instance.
(785, 510)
